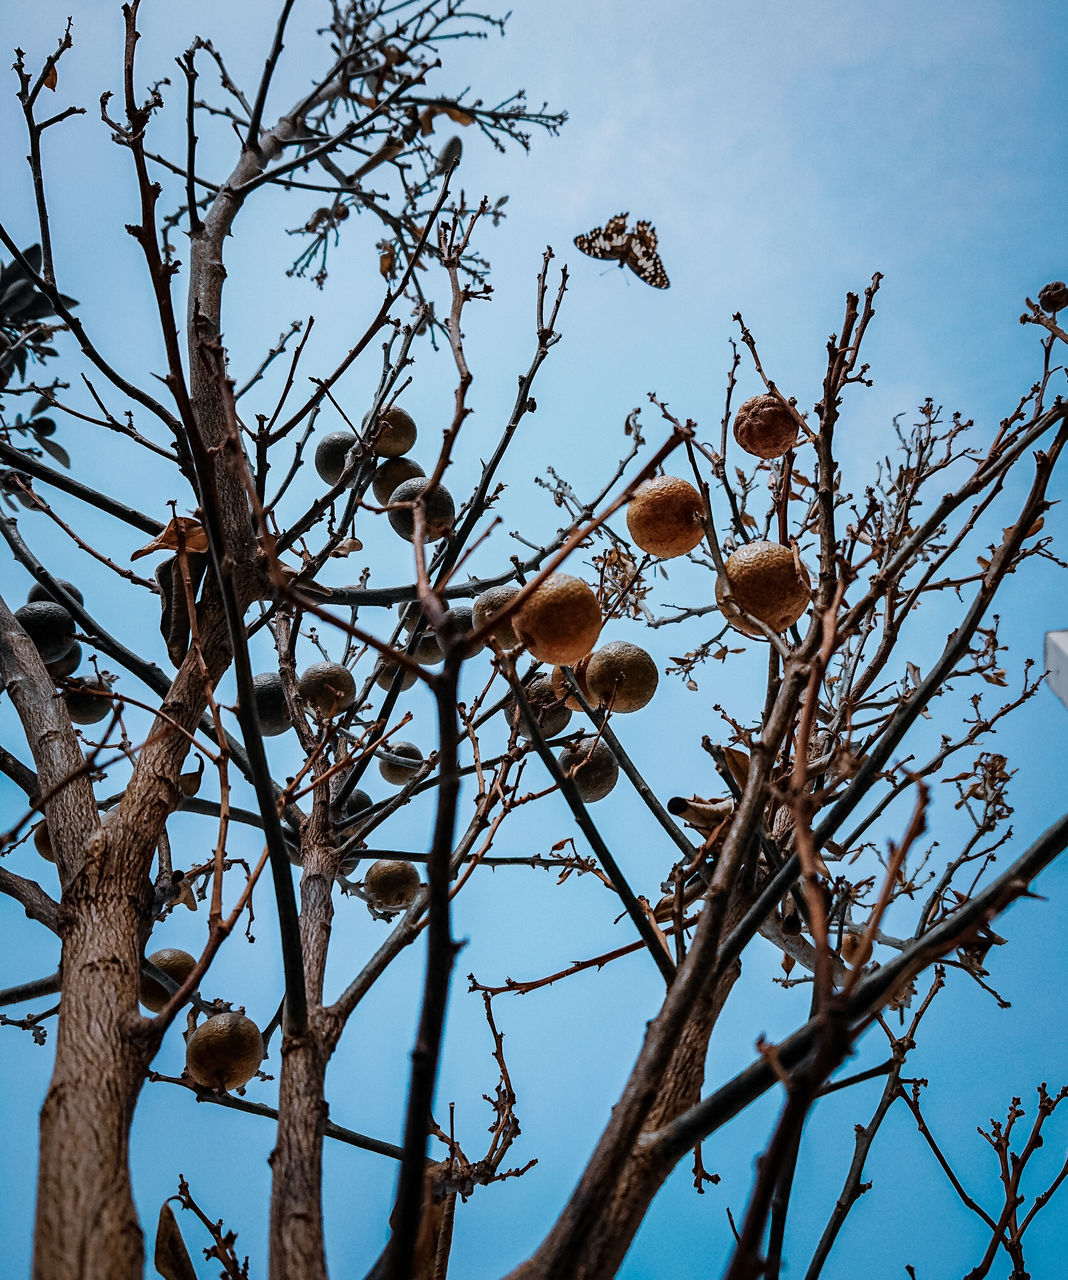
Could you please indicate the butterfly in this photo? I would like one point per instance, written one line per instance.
(635, 249)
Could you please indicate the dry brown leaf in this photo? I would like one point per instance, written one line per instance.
(50, 80)
(738, 764)
(171, 1257)
(182, 528)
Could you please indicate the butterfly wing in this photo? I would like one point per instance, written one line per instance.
(609, 241)
(641, 256)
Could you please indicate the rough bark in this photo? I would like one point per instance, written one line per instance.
(297, 1162)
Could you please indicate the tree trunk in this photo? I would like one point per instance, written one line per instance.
(87, 1228)
(297, 1162)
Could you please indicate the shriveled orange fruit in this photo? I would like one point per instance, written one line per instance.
(665, 517)
(392, 882)
(765, 427)
(562, 687)
(560, 621)
(767, 583)
(224, 1052)
(175, 964)
(623, 675)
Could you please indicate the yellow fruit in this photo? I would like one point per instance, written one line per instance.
(623, 675)
(391, 883)
(765, 583)
(490, 603)
(765, 427)
(665, 517)
(595, 771)
(560, 621)
(225, 1052)
(396, 433)
(175, 964)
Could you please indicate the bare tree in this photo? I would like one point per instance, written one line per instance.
(834, 587)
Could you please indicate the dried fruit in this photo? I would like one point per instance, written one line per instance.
(330, 455)
(488, 605)
(224, 1052)
(766, 583)
(391, 883)
(595, 769)
(398, 773)
(38, 592)
(175, 964)
(270, 698)
(328, 688)
(396, 433)
(562, 687)
(665, 517)
(765, 427)
(385, 671)
(1053, 297)
(856, 950)
(49, 626)
(440, 510)
(42, 842)
(391, 474)
(67, 665)
(551, 714)
(622, 674)
(560, 621)
(88, 701)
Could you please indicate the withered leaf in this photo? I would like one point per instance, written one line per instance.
(52, 78)
(346, 547)
(738, 764)
(171, 1257)
(182, 530)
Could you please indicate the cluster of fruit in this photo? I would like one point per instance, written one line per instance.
(51, 628)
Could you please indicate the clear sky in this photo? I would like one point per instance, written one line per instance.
(785, 150)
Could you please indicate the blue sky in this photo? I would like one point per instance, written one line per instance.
(785, 152)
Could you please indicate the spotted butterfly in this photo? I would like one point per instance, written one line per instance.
(635, 249)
